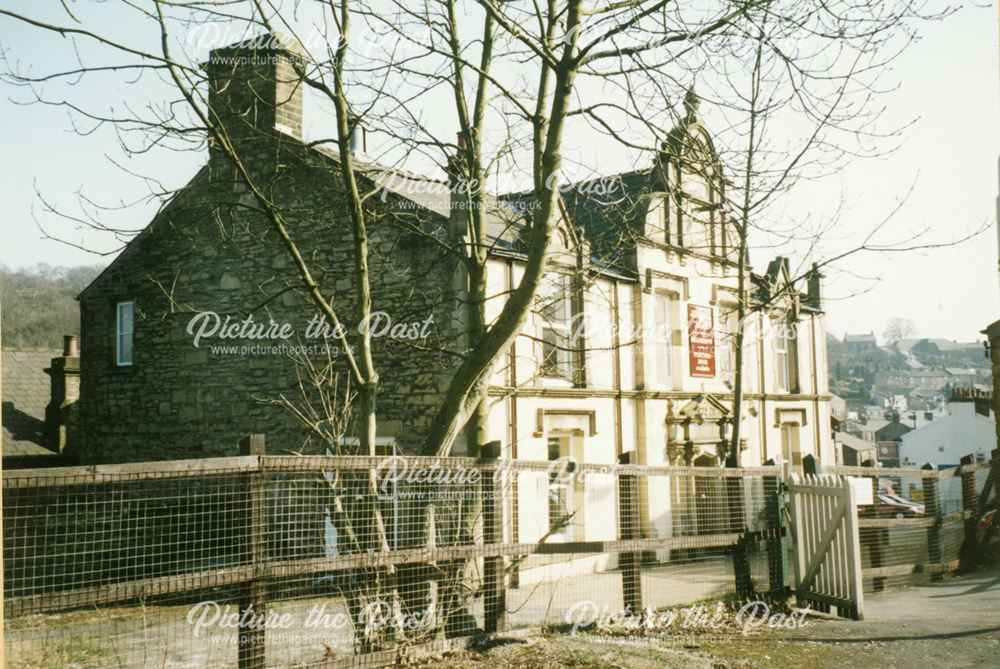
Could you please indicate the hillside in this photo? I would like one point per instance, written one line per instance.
(38, 305)
(903, 367)
(852, 374)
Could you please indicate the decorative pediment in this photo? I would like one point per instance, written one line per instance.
(697, 428)
(700, 409)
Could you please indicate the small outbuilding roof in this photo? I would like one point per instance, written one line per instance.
(26, 392)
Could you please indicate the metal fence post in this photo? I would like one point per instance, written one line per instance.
(253, 598)
(494, 586)
(932, 509)
(628, 528)
(968, 554)
(741, 549)
(777, 546)
(876, 549)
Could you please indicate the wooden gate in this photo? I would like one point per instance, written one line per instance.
(824, 524)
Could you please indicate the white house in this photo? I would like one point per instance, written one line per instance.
(631, 349)
(944, 441)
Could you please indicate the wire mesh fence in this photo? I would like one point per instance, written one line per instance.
(284, 561)
(915, 522)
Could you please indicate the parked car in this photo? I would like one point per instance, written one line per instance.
(889, 505)
(891, 498)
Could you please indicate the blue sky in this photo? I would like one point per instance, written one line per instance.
(947, 81)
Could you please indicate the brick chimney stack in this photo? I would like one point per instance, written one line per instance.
(814, 296)
(61, 412)
(254, 88)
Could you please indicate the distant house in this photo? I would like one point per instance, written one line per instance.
(36, 413)
(917, 418)
(912, 378)
(853, 451)
(858, 343)
(871, 412)
(968, 377)
(838, 407)
(869, 428)
(880, 400)
(893, 431)
(885, 435)
(924, 399)
(943, 442)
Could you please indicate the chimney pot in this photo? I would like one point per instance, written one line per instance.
(69, 346)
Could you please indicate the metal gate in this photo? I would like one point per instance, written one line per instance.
(824, 523)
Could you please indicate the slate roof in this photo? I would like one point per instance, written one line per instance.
(26, 391)
(892, 432)
(855, 443)
(611, 211)
(941, 344)
(875, 424)
(504, 214)
(966, 371)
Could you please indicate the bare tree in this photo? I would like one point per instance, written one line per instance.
(517, 75)
(898, 329)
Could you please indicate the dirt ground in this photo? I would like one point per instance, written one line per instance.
(952, 623)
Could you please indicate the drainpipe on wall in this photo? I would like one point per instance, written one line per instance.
(762, 387)
(817, 428)
(61, 412)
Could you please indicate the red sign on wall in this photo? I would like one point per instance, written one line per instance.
(701, 340)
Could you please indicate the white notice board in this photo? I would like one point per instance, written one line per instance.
(862, 486)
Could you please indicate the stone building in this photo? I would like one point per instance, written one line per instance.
(152, 388)
(629, 348)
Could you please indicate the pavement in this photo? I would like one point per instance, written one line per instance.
(951, 623)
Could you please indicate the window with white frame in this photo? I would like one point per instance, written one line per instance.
(557, 315)
(784, 356)
(663, 340)
(780, 358)
(124, 329)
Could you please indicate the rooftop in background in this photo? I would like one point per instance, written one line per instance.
(941, 344)
(26, 392)
(856, 443)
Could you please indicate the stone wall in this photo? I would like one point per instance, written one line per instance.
(212, 249)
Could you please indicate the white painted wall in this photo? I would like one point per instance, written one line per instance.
(945, 440)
